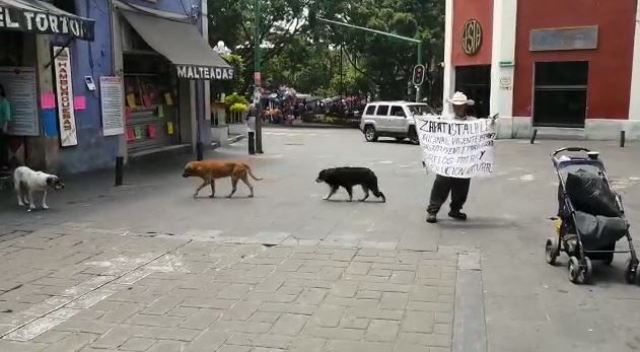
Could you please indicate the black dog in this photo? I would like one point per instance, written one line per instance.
(348, 177)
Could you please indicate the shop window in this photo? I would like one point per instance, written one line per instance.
(560, 95)
(66, 5)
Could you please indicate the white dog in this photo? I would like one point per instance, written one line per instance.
(27, 181)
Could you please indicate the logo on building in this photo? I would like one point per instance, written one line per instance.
(471, 37)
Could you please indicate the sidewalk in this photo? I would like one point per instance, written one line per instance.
(74, 288)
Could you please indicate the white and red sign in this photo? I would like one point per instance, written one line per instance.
(64, 93)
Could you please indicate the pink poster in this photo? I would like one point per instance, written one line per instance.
(48, 101)
(80, 102)
(152, 131)
(131, 134)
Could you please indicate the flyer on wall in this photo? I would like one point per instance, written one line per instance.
(112, 97)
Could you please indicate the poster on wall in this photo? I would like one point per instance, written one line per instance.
(20, 85)
(112, 97)
(64, 95)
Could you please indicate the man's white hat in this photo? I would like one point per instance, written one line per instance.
(460, 98)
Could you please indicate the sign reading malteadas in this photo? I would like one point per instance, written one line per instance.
(204, 72)
(64, 95)
(45, 23)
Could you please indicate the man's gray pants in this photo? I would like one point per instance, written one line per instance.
(442, 186)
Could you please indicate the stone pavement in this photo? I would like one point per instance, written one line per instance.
(507, 298)
(75, 288)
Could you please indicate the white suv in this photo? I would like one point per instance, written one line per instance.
(392, 119)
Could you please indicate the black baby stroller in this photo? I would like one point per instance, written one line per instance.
(590, 217)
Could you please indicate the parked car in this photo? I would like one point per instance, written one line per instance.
(392, 119)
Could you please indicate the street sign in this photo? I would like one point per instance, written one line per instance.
(418, 75)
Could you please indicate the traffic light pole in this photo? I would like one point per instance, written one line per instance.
(392, 35)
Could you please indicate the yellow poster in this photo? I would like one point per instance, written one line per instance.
(131, 100)
(168, 99)
(170, 128)
(160, 111)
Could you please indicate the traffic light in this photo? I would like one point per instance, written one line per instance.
(418, 75)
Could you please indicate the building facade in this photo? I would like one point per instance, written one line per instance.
(551, 65)
(132, 79)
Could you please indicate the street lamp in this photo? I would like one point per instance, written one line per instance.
(221, 48)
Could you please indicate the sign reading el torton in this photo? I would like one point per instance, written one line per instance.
(204, 72)
(45, 23)
(471, 37)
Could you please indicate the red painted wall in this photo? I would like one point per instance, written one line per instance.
(482, 11)
(609, 80)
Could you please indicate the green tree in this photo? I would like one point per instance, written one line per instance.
(387, 62)
(232, 21)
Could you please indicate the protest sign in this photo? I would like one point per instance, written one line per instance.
(454, 148)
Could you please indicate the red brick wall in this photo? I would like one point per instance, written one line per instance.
(482, 11)
(609, 80)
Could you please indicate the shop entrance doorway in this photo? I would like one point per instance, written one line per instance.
(475, 82)
(560, 97)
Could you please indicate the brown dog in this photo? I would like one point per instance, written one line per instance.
(210, 170)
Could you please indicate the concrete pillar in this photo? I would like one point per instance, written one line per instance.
(193, 116)
(43, 151)
(502, 64)
(634, 104)
(206, 123)
(118, 67)
(449, 79)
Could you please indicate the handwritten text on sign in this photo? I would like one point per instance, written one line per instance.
(460, 149)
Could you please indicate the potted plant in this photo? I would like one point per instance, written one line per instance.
(238, 107)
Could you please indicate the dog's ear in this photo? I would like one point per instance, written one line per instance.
(51, 181)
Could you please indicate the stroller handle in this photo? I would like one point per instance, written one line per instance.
(570, 149)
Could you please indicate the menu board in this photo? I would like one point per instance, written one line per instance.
(112, 97)
(20, 84)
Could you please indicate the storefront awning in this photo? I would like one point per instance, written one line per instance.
(39, 17)
(182, 44)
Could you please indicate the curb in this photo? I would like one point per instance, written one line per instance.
(327, 127)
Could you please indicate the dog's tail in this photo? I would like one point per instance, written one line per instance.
(251, 173)
(376, 192)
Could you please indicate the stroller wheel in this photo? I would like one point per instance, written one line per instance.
(579, 274)
(574, 270)
(631, 272)
(587, 271)
(551, 250)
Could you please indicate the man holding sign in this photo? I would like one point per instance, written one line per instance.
(456, 149)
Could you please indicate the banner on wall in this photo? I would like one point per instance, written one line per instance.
(459, 149)
(112, 100)
(20, 85)
(64, 96)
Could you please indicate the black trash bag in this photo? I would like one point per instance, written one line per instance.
(590, 193)
(598, 232)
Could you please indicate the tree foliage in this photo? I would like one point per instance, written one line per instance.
(304, 52)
